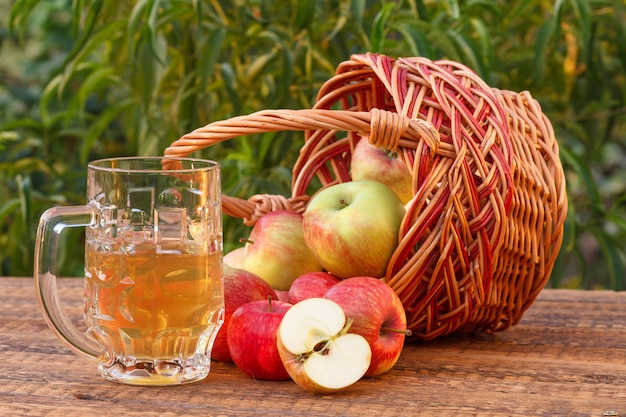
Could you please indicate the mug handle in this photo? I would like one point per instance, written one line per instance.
(51, 224)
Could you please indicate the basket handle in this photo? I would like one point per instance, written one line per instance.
(383, 128)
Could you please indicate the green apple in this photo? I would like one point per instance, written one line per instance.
(352, 227)
(379, 164)
(276, 250)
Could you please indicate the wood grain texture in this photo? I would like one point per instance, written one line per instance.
(567, 357)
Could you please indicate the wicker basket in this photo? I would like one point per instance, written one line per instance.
(481, 236)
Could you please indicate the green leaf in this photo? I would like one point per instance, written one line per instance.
(24, 123)
(286, 81)
(467, 51)
(453, 8)
(149, 73)
(20, 12)
(611, 257)
(543, 37)
(77, 9)
(357, 8)
(570, 230)
(230, 84)
(422, 10)
(519, 9)
(444, 41)
(419, 45)
(256, 67)
(616, 218)
(95, 81)
(344, 16)
(30, 164)
(88, 23)
(8, 208)
(184, 91)
(155, 40)
(378, 29)
(582, 170)
(105, 35)
(100, 125)
(583, 12)
(484, 47)
(23, 188)
(557, 16)
(209, 52)
(615, 213)
(48, 94)
(267, 142)
(304, 13)
(133, 26)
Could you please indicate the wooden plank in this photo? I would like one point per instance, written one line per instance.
(567, 357)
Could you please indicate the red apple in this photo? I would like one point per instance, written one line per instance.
(252, 339)
(373, 163)
(276, 250)
(378, 316)
(311, 285)
(318, 351)
(352, 227)
(240, 287)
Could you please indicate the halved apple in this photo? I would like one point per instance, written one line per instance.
(316, 349)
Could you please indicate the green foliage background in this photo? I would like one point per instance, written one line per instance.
(86, 79)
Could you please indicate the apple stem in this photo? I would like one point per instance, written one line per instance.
(269, 301)
(406, 332)
(246, 240)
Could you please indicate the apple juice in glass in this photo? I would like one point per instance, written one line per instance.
(153, 291)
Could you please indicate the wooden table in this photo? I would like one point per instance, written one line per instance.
(566, 358)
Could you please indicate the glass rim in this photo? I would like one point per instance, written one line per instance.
(203, 164)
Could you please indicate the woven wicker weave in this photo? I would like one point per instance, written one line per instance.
(480, 238)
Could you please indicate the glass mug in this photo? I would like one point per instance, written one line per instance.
(153, 290)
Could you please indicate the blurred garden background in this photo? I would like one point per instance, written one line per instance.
(87, 79)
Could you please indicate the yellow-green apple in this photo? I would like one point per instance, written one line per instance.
(276, 250)
(234, 258)
(378, 316)
(374, 163)
(252, 333)
(311, 285)
(240, 287)
(316, 349)
(352, 227)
